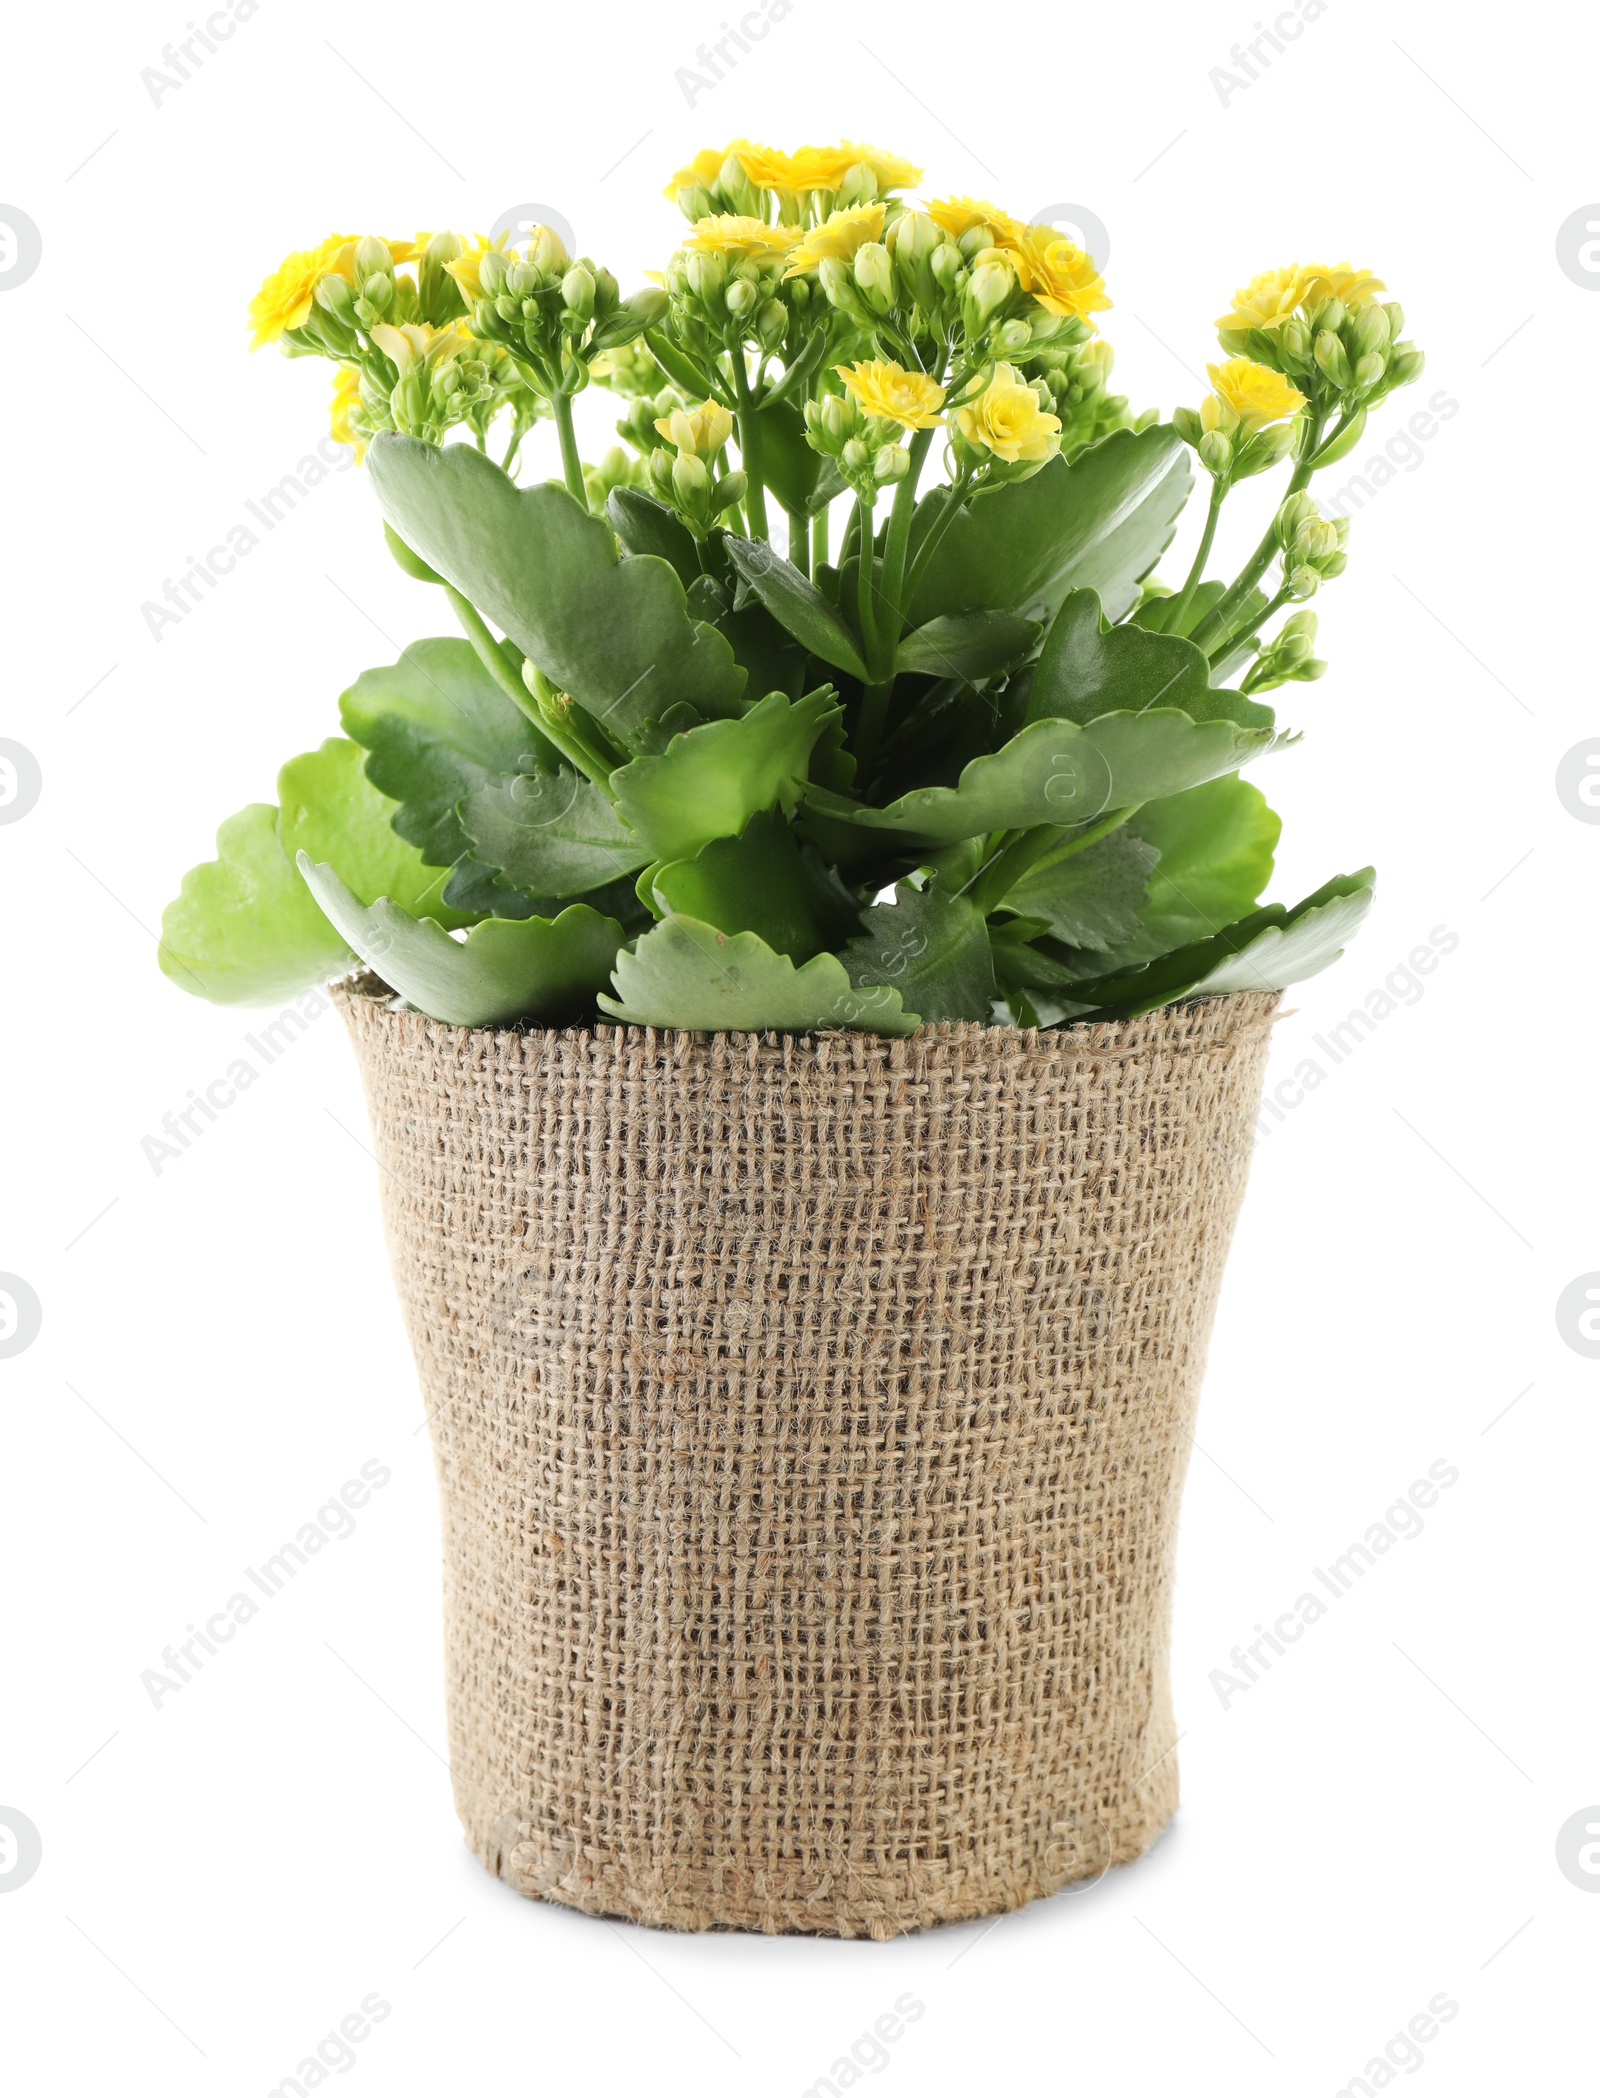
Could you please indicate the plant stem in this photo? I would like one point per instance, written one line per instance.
(750, 446)
(819, 539)
(1229, 642)
(1172, 620)
(491, 656)
(1216, 619)
(1034, 848)
(894, 551)
(948, 512)
(571, 464)
(864, 561)
(800, 541)
(566, 739)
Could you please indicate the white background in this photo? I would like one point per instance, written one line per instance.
(1375, 1821)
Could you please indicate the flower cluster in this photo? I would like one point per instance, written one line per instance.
(673, 775)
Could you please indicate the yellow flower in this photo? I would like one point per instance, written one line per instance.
(701, 172)
(1266, 301)
(839, 236)
(1006, 419)
(284, 300)
(767, 167)
(889, 170)
(467, 264)
(899, 396)
(1357, 288)
(728, 234)
(1061, 277)
(698, 433)
(346, 397)
(1254, 394)
(958, 215)
(825, 167)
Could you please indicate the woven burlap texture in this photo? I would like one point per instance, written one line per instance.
(811, 1418)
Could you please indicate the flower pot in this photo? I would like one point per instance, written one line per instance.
(811, 1418)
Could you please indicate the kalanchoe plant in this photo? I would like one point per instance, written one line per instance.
(973, 763)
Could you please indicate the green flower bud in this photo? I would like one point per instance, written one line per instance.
(892, 463)
(1405, 364)
(1302, 582)
(855, 458)
(874, 275)
(739, 192)
(988, 289)
(372, 259)
(1297, 511)
(946, 265)
(1215, 452)
(1395, 314)
(1294, 343)
(741, 298)
(691, 484)
(1332, 361)
(771, 324)
(707, 274)
(860, 186)
(1369, 372)
(546, 251)
(1013, 337)
(522, 280)
(335, 295)
(839, 287)
(659, 466)
(695, 202)
(1370, 332)
(578, 292)
(1332, 316)
(1315, 541)
(730, 489)
(493, 270)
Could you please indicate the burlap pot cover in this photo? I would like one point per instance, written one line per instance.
(811, 1418)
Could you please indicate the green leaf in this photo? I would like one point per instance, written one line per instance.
(551, 833)
(328, 807)
(1090, 898)
(1216, 844)
(772, 659)
(932, 947)
(790, 467)
(1059, 772)
(1267, 950)
(711, 780)
(614, 634)
(437, 727)
(239, 932)
(244, 929)
(1087, 669)
(1099, 523)
(797, 604)
(762, 882)
(647, 527)
(967, 645)
(542, 969)
(684, 973)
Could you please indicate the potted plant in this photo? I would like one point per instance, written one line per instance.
(814, 1010)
